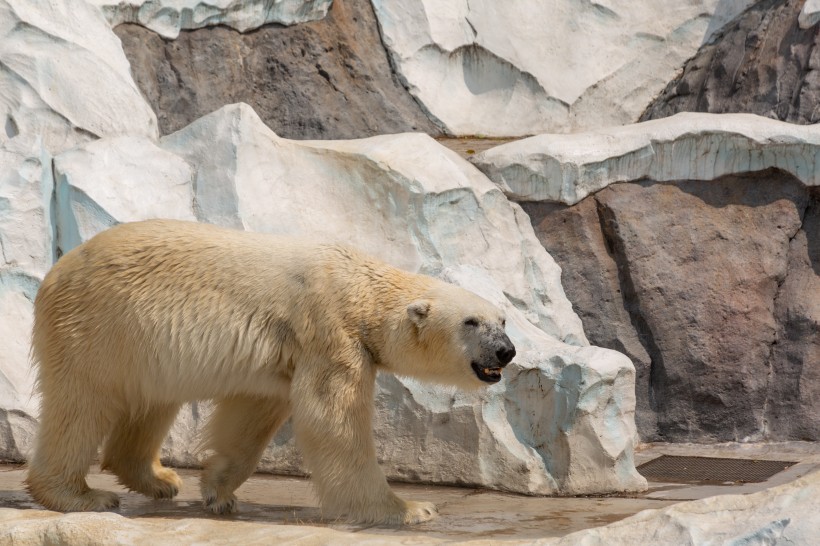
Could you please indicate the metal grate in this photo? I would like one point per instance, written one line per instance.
(712, 470)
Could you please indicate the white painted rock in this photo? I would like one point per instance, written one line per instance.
(120, 179)
(786, 514)
(26, 253)
(483, 67)
(168, 17)
(810, 14)
(687, 146)
(403, 198)
(64, 77)
(561, 421)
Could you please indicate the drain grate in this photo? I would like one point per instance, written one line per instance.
(712, 470)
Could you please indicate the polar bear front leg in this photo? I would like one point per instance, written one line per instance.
(332, 419)
(238, 432)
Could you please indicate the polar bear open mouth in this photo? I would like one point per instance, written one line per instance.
(485, 373)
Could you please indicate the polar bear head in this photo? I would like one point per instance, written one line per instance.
(458, 338)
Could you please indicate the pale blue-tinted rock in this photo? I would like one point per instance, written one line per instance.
(687, 146)
(26, 253)
(115, 180)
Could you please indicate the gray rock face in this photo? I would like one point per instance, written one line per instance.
(708, 287)
(763, 63)
(792, 407)
(328, 79)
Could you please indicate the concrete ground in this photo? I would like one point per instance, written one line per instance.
(464, 513)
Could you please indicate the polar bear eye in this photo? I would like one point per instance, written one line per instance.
(471, 322)
(503, 322)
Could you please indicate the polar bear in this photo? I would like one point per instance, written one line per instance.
(149, 315)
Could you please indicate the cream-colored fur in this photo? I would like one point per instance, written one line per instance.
(147, 316)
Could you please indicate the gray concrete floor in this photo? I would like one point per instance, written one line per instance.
(464, 513)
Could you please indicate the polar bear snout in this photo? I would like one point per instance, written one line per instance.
(505, 353)
(494, 358)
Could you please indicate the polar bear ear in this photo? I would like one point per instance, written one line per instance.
(418, 311)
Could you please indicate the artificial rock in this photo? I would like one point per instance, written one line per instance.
(563, 419)
(26, 252)
(702, 272)
(722, 326)
(168, 17)
(603, 61)
(764, 62)
(325, 79)
(64, 77)
(566, 168)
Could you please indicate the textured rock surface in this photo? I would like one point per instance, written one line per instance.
(63, 76)
(781, 515)
(589, 274)
(168, 17)
(152, 183)
(810, 14)
(766, 62)
(786, 514)
(722, 326)
(567, 168)
(64, 80)
(26, 253)
(326, 79)
(603, 63)
(793, 409)
(563, 419)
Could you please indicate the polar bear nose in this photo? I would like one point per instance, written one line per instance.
(505, 354)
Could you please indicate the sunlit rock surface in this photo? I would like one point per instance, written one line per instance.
(688, 146)
(168, 17)
(64, 77)
(482, 67)
(689, 244)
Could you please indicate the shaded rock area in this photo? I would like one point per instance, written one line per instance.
(327, 79)
(706, 286)
(763, 62)
(792, 409)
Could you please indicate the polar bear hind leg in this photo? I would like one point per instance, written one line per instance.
(238, 432)
(132, 452)
(71, 429)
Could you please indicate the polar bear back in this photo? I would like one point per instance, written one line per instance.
(205, 309)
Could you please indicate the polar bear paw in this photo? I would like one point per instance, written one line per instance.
(219, 504)
(418, 512)
(165, 485)
(92, 500)
(407, 513)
